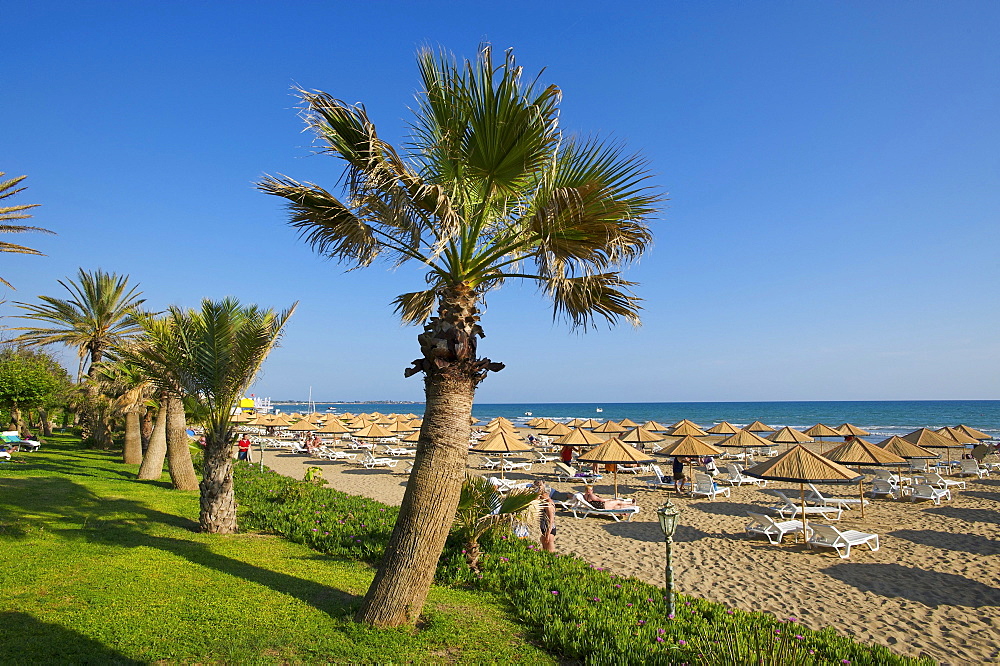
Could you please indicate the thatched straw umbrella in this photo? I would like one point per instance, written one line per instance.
(905, 449)
(640, 436)
(757, 426)
(789, 435)
(687, 430)
(972, 432)
(609, 428)
(690, 447)
(686, 422)
(615, 452)
(820, 430)
(374, 431)
(849, 430)
(929, 439)
(239, 417)
(334, 427)
(858, 452)
(590, 423)
(800, 465)
(723, 428)
(502, 442)
(579, 437)
(959, 436)
(557, 430)
(744, 439)
(654, 426)
(628, 423)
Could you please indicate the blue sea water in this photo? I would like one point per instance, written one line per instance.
(881, 418)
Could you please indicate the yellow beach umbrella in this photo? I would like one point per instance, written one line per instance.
(821, 430)
(690, 447)
(972, 432)
(239, 417)
(373, 431)
(590, 423)
(628, 423)
(302, 426)
(334, 427)
(653, 426)
(579, 437)
(688, 430)
(929, 439)
(557, 430)
(789, 435)
(640, 436)
(846, 429)
(905, 449)
(609, 428)
(684, 422)
(744, 439)
(959, 436)
(501, 441)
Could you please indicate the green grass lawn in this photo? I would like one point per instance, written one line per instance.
(99, 568)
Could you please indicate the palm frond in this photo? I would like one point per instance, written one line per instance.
(415, 307)
(581, 300)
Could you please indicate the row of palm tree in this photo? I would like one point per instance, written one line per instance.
(137, 360)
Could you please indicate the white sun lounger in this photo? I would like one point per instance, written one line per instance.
(705, 485)
(881, 487)
(789, 509)
(509, 466)
(924, 491)
(737, 478)
(370, 461)
(935, 480)
(971, 467)
(660, 479)
(581, 508)
(769, 527)
(828, 536)
(816, 497)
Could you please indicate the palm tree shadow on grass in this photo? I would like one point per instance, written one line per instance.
(126, 523)
(932, 588)
(25, 639)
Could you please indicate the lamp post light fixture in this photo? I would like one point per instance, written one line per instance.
(667, 515)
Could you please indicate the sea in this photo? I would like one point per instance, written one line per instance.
(882, 418)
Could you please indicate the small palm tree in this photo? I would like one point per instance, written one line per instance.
(482, 507)
(491, 190)
(211, 355)
(8, 188)
(130, 391)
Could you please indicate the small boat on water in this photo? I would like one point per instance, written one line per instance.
(527, 413)
(599, 409)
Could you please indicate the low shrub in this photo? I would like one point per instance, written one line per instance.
(572, 608)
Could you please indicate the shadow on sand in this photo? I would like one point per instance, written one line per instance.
(970, 543)
(932, 588)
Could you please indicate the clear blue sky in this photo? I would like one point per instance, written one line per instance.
(833, 171)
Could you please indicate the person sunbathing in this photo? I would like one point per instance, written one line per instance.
(599, 502)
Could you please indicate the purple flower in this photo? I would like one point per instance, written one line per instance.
(799, 637)
(845, 661)
(661, 631)
(682, 642)
(791, 619)
(659, 639)
(553, 591)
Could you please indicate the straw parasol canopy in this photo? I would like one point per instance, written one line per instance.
(690, 446)
(373, 431)
(334, 427)
(653, 426)
(412, 437)
(579, 437)
(609, 428)
(688, 430)
(800, 465)
(846, 429)
(544, 424)
(533, 423)
(496, 426)
(821, 430)
(590, 423)
(684, 422)
(628, 423)
(929, 439)
(576, 423)
(615, 452)
(744, 439)
(640, 436)
(501, 441)
(859, 452)
(557, 430)
(757, 426)
(905, 449)
(959, 436)
(501, 420)
(789, 435)
(239, 417)
(972, 432)
(303, 426)
(724, 428)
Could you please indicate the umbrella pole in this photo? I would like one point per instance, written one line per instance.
(802, 493)
(616, 481)
(861, 494)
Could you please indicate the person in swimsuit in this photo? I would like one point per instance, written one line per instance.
(546, 518)
(599, 502)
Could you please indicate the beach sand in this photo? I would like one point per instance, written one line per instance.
(933, 588)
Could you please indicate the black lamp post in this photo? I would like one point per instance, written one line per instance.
(667, 515)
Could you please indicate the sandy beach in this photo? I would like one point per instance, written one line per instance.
(933, 589)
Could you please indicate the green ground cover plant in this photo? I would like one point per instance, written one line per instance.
(575, 610)
(100, 568)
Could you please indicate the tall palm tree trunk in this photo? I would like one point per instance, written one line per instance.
(218, 502)
(452, 372)
(43, 416)
(133, 439)
(146, 427)
(178, 454)
(404, 578)
(152, 462)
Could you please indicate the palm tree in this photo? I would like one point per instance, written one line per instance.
(212, 355)
(131, 391)
(95, 318)
(482, 507)
(11, 213)
(490, 190)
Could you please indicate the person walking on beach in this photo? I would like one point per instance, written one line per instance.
(678, 474)
(546, 518)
